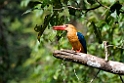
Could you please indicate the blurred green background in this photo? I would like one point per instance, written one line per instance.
(23, 59)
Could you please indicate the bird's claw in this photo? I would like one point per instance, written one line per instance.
(78, 50)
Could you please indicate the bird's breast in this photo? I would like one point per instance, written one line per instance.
(73, 39)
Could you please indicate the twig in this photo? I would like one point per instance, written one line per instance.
(76, 75)
(115, 47)
(59, 9)
(95, 76)
(102, 5)
(106, 50)
(121, 78)
(87, 10)
(69, 6)
(75, 8)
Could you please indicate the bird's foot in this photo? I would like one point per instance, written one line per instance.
(78, 50)
(72, 48)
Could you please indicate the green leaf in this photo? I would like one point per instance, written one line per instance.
(91, 2)
(37, 28)
(33, 3)
(97, 33)
(29, 11)
(45, 3)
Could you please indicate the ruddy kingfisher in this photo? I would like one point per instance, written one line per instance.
(76, 39)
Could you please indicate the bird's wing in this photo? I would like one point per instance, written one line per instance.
(82, 41)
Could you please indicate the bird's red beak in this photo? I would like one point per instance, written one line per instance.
(59, 27)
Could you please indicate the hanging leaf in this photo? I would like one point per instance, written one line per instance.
(46, 17)
(45, 24)
(33, 3)
(97, 33)
(91, 2)
(116, 6)
(37, 28)
(39, 35)
(28, 11)
(72, 11)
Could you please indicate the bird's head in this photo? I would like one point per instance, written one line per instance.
(67, 27)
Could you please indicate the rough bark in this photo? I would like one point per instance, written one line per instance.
(90, 60)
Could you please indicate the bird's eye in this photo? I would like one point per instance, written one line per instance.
(66, 25)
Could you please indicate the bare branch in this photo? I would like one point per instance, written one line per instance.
(90, 60)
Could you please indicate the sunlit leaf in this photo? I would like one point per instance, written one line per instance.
(33, 3)
(29, 11)
(114, 14)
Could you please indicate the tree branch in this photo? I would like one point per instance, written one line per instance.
(75, 8)
(102, 5)
(90, 60)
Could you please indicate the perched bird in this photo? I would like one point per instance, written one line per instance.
(76, 39)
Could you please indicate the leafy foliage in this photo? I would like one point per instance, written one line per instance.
(24, 59)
